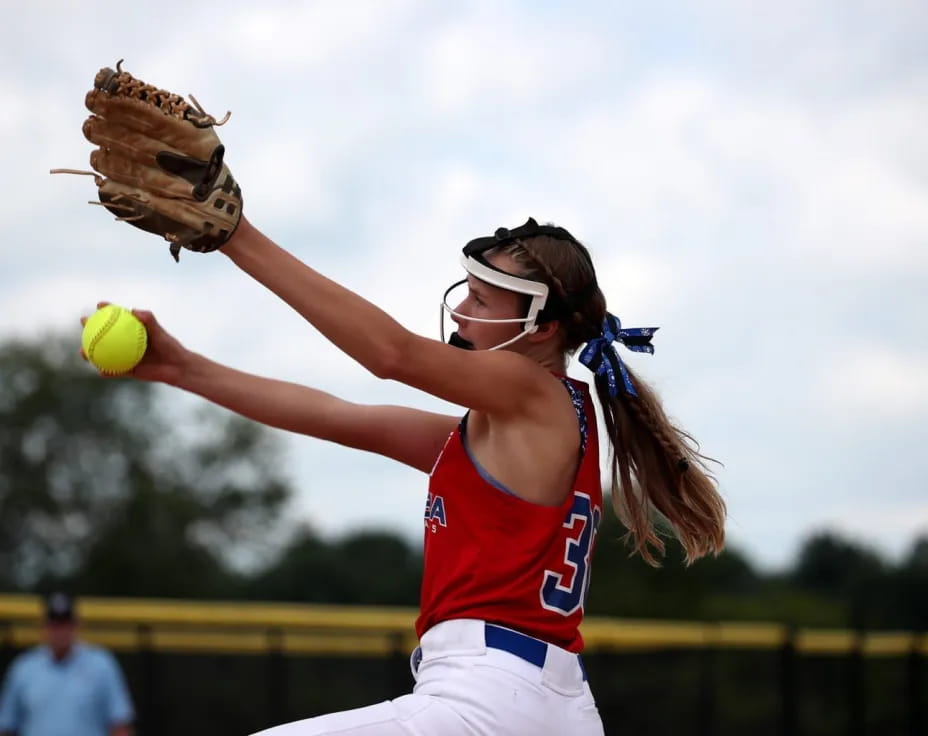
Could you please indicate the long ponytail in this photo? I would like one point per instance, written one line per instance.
(659, 477)
(661, 484)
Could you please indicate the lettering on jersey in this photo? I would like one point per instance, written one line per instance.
(435, 512)
(564, 590)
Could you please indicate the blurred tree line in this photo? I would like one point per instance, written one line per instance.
(105, 491)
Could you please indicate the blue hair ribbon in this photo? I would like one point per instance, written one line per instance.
(601, 357)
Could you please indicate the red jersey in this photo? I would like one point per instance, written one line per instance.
(493, 556)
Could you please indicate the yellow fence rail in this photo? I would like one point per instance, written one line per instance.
(240, 627)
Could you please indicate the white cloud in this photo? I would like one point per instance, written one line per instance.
(14, 113)
(501, 62)
(748, 194)
(312, 34)
(287, 177)
(875, 382)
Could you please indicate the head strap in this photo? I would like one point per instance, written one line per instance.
(530, 229)
(554, 306)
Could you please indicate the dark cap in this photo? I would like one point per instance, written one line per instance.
(59, 607)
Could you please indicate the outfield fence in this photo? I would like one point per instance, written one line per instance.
(233, 667)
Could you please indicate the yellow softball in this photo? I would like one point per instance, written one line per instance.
(114, 340)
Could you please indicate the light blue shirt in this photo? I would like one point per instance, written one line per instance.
(83, 695)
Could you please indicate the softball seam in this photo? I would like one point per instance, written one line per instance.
(110, 321)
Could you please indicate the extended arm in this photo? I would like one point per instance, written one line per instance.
(410, 436)
(498, 382)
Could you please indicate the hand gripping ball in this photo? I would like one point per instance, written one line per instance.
(114, 340)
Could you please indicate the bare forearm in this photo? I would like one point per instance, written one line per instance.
(410, 436)
(276, 403)
(357, 327)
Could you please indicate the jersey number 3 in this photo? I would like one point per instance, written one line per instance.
(564, 590)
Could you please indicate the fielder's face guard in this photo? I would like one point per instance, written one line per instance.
(480, 268)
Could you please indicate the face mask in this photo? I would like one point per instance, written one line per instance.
(477, 266)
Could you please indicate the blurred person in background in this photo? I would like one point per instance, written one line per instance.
(64, 687)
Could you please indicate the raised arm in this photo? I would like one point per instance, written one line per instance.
(497, 382)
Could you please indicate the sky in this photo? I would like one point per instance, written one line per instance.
(751, 177)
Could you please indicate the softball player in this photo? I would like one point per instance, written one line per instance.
(514, 496)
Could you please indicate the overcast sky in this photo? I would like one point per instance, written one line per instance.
(752, 177)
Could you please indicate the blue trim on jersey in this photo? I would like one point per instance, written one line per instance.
(481, 471)
(576, 398)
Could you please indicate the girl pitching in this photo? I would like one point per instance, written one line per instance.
(514, 493)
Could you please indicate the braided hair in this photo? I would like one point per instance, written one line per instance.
(658, 476)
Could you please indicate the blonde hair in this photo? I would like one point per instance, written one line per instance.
(658, 476)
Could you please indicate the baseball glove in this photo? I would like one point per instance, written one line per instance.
(159, 165)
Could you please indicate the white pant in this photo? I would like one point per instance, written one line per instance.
(464, 688)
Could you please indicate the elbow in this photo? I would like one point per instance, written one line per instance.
(389, 362)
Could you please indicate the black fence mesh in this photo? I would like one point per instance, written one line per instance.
(658, 693)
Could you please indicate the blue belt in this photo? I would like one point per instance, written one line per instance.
(523, 646)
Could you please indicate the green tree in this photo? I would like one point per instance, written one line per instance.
(111, 485)
(853, 573)
(625, 585)
(830, 564)
(912, 587)
(367, 567)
